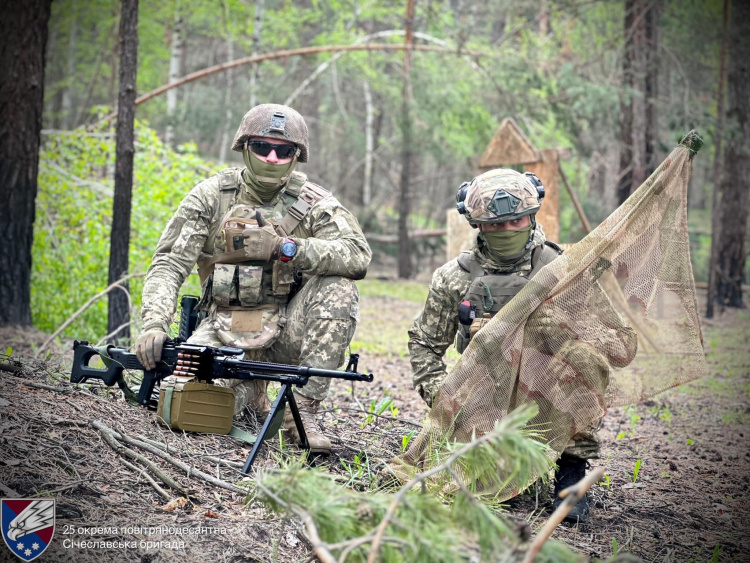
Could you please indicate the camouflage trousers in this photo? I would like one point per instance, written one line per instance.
(584, 445)
(320, 324)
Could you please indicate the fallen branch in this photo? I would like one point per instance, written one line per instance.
(214, 459)
(571, 496)
(109, 436)
(319, 547)
(164, 494)
(88, 304)
(286, 53)
(9, 492)
(190, 471)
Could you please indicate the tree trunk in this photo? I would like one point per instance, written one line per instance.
(369, 145)
(67, 100)
(404, 206)
(637, 116)
(175, 60)
(625, 181)
(715, 220)
(119, 313)
(257, 28)
(23, 37)
(651, 86)
(227, 131)
(735, 187)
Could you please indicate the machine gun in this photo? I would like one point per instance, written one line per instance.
(206, 363)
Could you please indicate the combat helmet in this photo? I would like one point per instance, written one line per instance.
(273, 120)
(500, 195)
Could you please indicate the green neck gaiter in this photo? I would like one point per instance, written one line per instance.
(507, 244)
(266, 179)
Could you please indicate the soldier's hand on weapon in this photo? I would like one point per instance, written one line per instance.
(148, 347)
(262, 243)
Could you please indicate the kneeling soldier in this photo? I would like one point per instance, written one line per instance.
(277, 256)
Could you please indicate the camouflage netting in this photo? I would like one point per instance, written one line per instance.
(568, 340)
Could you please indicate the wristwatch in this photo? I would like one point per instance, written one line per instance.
(288, 250)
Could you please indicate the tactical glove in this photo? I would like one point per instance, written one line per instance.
(148, 347)
(262, 243)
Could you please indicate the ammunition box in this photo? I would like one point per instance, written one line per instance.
(196, 407)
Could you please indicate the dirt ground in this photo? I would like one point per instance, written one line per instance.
(688, 501)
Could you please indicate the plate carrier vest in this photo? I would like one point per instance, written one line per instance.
(488, 293)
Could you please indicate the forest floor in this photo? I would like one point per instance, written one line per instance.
(688, 502)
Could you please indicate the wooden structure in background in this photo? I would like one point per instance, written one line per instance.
(510, 147)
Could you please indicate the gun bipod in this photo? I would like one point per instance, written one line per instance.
(285, 396)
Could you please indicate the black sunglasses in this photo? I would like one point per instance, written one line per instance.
(264, 148)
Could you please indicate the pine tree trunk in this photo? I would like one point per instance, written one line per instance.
(625, 181)
(735, 187)
(67, 100)
(228, 130)
(175, 60)
(715, 219)
(369, 145)
(23, 38)
(119, 313)
(404, 206)
(257, 28)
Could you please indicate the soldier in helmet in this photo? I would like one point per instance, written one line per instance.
(466, 292)
(277, 256)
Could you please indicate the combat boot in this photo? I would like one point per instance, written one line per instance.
(252, 394)
(308, 408)
(570, 470)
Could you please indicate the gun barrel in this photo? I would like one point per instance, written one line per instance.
(250, 369)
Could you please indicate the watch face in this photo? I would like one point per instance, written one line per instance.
(289, 249)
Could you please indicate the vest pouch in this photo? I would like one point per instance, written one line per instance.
(224, 288)
(478, 324)
(193, 406)
(233, 228)
(250, 284)
(283, 277)
(249, 329)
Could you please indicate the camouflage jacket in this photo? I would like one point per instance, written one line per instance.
(329, 241)
(434, 329)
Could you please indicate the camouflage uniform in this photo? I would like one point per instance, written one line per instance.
(437, 325)
(314, 325)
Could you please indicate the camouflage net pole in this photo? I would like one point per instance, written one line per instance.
(563, 341)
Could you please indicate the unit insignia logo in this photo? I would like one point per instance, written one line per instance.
(27, 525)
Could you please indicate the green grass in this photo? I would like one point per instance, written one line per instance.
(401, 289)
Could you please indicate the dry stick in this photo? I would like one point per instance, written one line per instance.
(8, 491)
(190, 471)
(86, 305)
(164, 494)
(571, 495)
(10, 367)
(283, 54)
(214, 459)
(416, 480)
(109, 436)
(36, 385)
(319, 547)
(576, 203)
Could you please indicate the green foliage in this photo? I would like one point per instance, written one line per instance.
(636, 470)
(70, 256)
(425, 527)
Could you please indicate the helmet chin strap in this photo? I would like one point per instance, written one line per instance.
(270, 181)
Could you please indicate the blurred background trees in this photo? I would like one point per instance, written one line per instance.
(616, 81)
